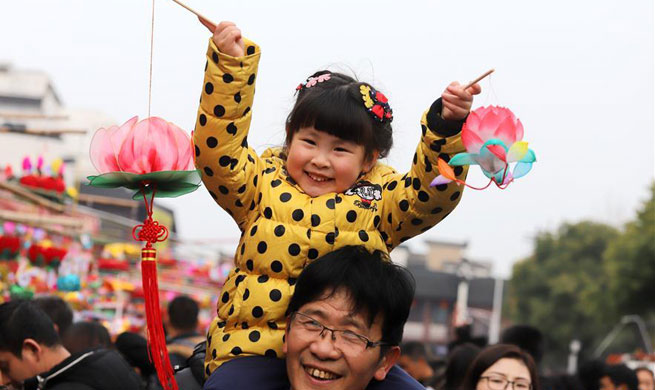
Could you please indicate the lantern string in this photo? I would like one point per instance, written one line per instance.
(152, 39)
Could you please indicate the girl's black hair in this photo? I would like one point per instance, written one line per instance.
(336, 107)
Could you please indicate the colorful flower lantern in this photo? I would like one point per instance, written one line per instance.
(9, 247)
(42, 256)
(492, 137)
(155, 158)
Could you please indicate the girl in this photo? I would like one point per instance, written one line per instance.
(322, 190)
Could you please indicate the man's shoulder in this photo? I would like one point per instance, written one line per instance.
(97, 370)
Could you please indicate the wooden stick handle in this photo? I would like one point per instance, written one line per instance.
(469, 85)
(193, 11)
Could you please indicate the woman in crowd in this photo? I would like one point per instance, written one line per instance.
(502, 367)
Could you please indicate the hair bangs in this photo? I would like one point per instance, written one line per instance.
(334, 111)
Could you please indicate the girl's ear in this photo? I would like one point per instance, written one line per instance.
(370, 162)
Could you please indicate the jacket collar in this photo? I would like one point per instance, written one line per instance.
(40, 381)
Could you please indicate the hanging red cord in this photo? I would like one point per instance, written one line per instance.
(151, 232)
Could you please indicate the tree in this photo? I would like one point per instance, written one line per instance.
(630, 265)
(561, 286)
(581, 280)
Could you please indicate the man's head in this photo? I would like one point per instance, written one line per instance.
(182, 314)
(347, 317)
(619, 377)
(646, 378)
(29, 344)
(526, 337)
(414, 360)
(58, 310)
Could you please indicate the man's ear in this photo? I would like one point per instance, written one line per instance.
(31, 350)
(387, 361)
(286, 335)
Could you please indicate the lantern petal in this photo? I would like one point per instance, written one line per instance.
(439, 180)
(463, 159)
(517, 151)
(521, 169)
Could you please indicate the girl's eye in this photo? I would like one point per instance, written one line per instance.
(342, 150)
(309, 141)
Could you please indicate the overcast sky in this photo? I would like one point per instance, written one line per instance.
(579, 75)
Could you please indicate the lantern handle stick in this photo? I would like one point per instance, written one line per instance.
(193, 11)
(469, 85)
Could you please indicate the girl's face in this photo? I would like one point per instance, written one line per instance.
(505, 370)
(321, 163)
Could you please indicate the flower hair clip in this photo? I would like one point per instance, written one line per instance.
(376, 103)
(312, 81)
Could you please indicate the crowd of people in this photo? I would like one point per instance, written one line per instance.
(343, 331)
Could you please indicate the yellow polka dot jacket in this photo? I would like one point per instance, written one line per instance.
(283, 228)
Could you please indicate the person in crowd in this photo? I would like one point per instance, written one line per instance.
(83, 336)
(181, 327)
(590, 372)
(619, 377)
(414, 360)
(563, 382)
(32, 356)
(134, 349)
(458, 362)
(646, 378)
(526, 337)
(58, 310)
(532, 341)
(322, 190)
(502, 367)
(344, 326)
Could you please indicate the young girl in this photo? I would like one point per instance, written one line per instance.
(322, 190)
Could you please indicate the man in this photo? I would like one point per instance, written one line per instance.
(58, 310)
(619, 377)
(181, 326)
(646, 378)
(414, 360)
(345, 322)
(31, 355)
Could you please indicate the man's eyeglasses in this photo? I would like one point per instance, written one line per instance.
(496, 382)
(346, 341)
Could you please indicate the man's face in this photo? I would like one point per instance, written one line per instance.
(317, 362)
(15, 370)
(606, 384)
(646, 381)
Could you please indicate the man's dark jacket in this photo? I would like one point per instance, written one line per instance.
(94, 370)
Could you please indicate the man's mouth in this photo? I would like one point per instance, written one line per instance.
(317, 178)
(320, 375)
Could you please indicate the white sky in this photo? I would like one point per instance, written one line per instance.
(579, 75)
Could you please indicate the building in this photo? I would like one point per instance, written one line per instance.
(443, 274)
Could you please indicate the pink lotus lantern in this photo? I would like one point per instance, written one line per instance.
(155, 158)
(492, 137)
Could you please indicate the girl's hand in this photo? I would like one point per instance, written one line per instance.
(457, 101)
(227, 37)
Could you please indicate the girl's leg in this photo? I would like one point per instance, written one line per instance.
(397, 379)
(252, 372)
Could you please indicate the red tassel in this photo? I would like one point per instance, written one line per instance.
(156, 337)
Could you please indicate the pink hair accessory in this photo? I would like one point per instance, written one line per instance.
(319, 79)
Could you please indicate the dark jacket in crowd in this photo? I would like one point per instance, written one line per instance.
(94, 370)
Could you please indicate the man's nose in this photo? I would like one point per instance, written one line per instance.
(324, 346)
